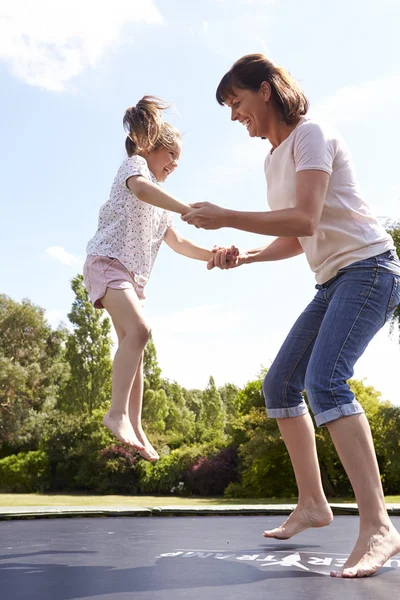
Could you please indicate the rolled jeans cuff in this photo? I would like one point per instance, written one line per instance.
(289, 411)
(343, 410)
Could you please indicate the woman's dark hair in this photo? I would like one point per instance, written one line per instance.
(250, 71)
(145, 126)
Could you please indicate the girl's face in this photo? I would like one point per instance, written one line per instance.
(251, 109)
(163, 161)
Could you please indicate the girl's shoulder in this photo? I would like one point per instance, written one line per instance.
(133, 166)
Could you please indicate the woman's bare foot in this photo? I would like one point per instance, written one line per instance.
(149, 453)
(300, 519)
(372, 550)
(121, 427)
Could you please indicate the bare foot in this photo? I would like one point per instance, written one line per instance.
(149, 453)
(300, 519)
(120, 426)
(372, 550)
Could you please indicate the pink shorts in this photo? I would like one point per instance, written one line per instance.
(101, 272)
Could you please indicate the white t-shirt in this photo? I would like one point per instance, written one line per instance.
(347, 231)
(129, 229)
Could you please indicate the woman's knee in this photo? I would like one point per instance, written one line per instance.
(272, 390)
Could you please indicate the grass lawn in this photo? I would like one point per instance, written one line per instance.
(148, 501)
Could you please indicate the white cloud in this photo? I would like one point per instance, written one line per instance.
(48, 43)
(63, 256)
(357, 103)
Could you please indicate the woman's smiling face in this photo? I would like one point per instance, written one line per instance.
(251, 109)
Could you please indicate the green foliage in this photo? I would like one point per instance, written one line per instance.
(88, 352)
(167, 475)
(211, 420)
(116, 471)
(393, 228)
(151, 369)
(264, 463)
(24, 472)
(32, 365)
(251, 396)
(73, 444)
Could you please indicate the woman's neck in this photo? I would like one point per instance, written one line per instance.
(279, 131)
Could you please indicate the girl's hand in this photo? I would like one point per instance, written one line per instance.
(205, 215)
(226, 258)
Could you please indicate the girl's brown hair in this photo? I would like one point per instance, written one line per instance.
(250, 71)
(145, 126)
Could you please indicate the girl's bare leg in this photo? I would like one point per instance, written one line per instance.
(135, 414)
(126, 312)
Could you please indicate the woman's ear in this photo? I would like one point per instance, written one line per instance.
(265, 90)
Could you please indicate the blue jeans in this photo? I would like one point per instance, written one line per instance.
(329, 337)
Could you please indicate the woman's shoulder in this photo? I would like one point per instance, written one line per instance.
(313, 125)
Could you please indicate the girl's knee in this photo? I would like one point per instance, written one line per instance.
(139, 335)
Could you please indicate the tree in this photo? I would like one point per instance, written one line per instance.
(393, 228)
(151, 370)
(88, 352)
(212, 416)
(32, 365)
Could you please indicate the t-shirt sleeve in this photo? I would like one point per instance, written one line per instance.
(313, 149)
(170, 218)
(133, 166)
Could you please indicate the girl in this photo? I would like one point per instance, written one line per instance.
(318, 209)
(132, 224)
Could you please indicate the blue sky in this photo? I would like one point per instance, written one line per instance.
(69, 69)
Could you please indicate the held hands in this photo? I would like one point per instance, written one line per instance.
(205, 215)
(226, 258)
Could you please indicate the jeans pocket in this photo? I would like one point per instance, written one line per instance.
(394, 300)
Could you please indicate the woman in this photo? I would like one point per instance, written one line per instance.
(317, 208)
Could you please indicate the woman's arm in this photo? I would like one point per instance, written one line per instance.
(186, 247)
(149, 192)
(300, 221)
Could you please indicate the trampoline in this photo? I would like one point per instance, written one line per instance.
(171, 558)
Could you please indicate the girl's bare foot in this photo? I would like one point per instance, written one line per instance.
(149, 453)
(121, 427)
(300, 519)
(372, 550)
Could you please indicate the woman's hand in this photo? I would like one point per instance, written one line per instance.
(205, 215)
(226, 258)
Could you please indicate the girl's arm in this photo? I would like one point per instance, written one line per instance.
(279, 249)
(149, 192)
(186, 247)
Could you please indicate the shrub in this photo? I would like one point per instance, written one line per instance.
(24, 472)
(210, 475)
(166, 475)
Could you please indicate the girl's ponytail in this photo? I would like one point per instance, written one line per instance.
(145, 126)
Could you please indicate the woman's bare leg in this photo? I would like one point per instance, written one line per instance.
(378, 540)
(312, 509)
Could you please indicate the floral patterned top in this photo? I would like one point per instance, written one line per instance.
(129, 229)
